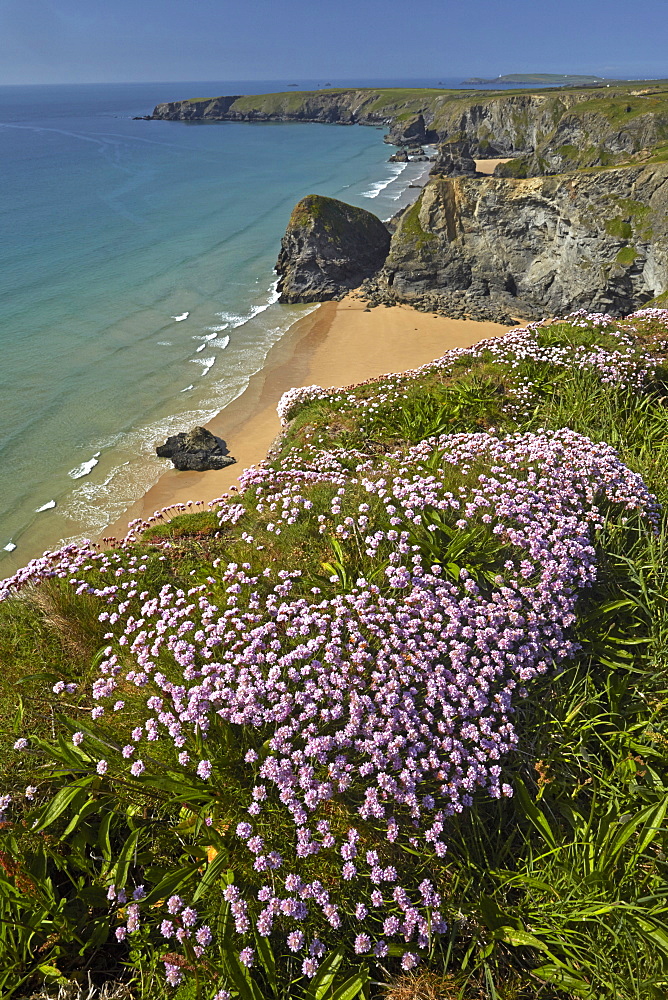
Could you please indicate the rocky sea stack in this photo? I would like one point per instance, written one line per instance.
(195, 451)
(329, 247)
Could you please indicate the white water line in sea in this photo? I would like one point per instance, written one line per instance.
(91, 506)
(234, 321)
(396, 169)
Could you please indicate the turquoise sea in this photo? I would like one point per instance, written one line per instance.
(136, 281)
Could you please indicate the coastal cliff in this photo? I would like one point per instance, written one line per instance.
(547, 131)
(575, 219)
(493, 248)
(498, 248)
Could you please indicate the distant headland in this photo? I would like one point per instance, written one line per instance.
(562, 79)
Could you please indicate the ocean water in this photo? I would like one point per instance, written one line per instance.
(137, 293)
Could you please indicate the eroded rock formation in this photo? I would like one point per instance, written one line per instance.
(500, 249)
(329, 247)
(196, 451)
(454, 159)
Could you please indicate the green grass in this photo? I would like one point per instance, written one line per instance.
(620, 108)
(194, 526)
(556, 893)
(626, 256)
(619, 228)
(410, 227)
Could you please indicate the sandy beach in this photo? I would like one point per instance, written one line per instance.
(489, 166)
(340, 343)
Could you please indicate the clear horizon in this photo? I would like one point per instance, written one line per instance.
(372, 81)
(63, 41)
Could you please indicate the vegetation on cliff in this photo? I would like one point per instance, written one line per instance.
(622, 122)
(391, 717)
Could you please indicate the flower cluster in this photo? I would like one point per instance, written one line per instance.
(293, 398)
(396, 697)
(374, 705)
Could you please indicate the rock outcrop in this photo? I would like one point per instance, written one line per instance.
(406, 111)
(329, 247)
(549, 131)
(409, 130)
(196, 451)
(454, 160)
(499, 249)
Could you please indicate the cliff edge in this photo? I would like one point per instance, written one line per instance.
(548, 131)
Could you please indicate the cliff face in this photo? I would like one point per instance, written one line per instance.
(210, 109)
(344, 107)
(498, 248)
(329, 247)
(553, 133)
(548, 132)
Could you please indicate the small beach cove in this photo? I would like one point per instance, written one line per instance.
(339, 344)
(148, 301)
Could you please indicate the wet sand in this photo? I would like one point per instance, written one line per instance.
(340, 343)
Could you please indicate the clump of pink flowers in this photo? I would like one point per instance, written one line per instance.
(373, 706)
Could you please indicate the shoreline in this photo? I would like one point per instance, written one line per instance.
(338, 344)
(31, 539)
(251, 417)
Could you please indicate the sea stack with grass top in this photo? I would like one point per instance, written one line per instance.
(329, 248)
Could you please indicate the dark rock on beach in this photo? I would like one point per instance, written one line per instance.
(195, 451)
(329, 247)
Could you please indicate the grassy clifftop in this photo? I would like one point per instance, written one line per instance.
(553, 129)
(393, 714)
(328, 213)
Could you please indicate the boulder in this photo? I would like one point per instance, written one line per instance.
(329, 247)
(196, 451)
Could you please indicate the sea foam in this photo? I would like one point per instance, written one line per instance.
(46, 506)
(206, 363)
(378, 186)
(234, 321)
(85, 468)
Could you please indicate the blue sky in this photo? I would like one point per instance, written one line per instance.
(78, 41)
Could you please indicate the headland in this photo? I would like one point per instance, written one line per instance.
(574, 215)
